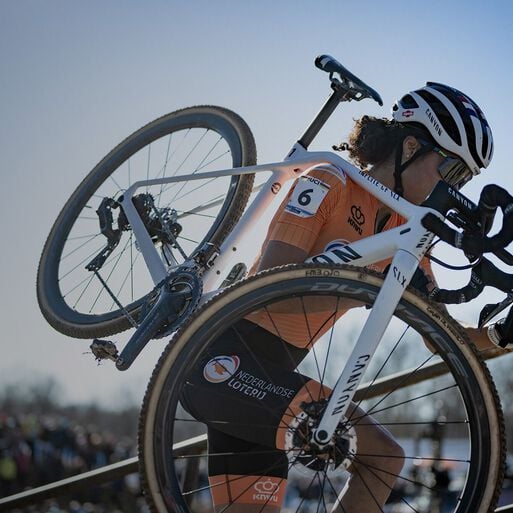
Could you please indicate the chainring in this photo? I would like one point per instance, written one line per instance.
(184, 281)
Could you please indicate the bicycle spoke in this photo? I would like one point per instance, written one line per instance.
(64, 257)
(164, 168)
(102, 289)
(89, 281)
(369, 491)
(201, 186)
(148, 166)
(88, 236)
(419, 423)
(309, 333)
(127, 275)
(231, 480)
(170, 203)
(87, 278)
(116, 183)
(322, 485)
(86, 218)
(202, 164)
(195, 214)
(214, 202)
(418, 458)
(213, 160)
(387, 359)
(397, 476)
(183, 162)
(401, 383)
(428, 394)
(330, 342)
(82, 262)
(187, 158)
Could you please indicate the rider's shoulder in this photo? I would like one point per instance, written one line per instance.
(330, 174)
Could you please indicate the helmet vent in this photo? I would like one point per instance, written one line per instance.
(408, 102)
(467, 114)
(443, 115)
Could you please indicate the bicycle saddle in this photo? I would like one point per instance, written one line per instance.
(356, 88)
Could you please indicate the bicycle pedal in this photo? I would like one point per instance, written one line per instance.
(104, 350)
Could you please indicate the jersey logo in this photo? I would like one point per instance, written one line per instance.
(221, 368)
(307, 196)
(268, 490)
(357, 219)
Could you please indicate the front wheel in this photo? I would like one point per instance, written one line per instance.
(426, 386)
(180, 217)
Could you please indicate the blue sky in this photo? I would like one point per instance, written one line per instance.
(77, 77)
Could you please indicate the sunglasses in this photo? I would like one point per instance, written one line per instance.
(452, 169)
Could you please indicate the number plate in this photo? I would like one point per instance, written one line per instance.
(307, 196)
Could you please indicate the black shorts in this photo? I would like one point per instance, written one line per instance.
(241, 390)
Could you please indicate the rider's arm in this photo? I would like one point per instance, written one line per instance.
(299, 220)
(478, 337)
(291, 237)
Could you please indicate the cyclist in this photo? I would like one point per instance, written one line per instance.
(436, 132)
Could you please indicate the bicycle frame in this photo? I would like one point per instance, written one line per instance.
(407, 245)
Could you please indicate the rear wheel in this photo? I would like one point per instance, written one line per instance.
(179, 216)
(439, 404)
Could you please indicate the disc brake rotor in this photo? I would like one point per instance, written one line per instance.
(338, 453)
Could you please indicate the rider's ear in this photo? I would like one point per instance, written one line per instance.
(410, 146)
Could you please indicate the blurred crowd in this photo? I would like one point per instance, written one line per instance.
(35, 450)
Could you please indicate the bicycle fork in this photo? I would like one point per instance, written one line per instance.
(402, 268)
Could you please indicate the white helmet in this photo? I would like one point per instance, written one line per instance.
(454, 121)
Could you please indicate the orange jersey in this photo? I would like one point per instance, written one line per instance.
(322, 208)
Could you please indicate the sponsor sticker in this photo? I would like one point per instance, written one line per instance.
(275, 187)
(307, 196)
(336, 244)
(221, 368)
(256, 387)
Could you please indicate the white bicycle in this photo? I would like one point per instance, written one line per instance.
(155, 227)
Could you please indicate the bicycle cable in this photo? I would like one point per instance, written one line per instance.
(445, 264)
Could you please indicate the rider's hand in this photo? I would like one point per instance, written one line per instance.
(497, 335)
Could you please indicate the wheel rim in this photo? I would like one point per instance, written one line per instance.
(192, 147)
(407, 412)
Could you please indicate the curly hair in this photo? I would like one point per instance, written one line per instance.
(374, 140)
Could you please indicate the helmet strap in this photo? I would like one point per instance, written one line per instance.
(401, 166)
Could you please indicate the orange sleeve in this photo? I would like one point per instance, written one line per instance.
(301, 227)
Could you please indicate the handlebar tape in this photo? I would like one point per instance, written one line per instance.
(483, 274)
(474, 243)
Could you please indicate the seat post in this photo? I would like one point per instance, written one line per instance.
(322, 116)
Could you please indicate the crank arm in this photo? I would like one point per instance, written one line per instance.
(167, 305)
